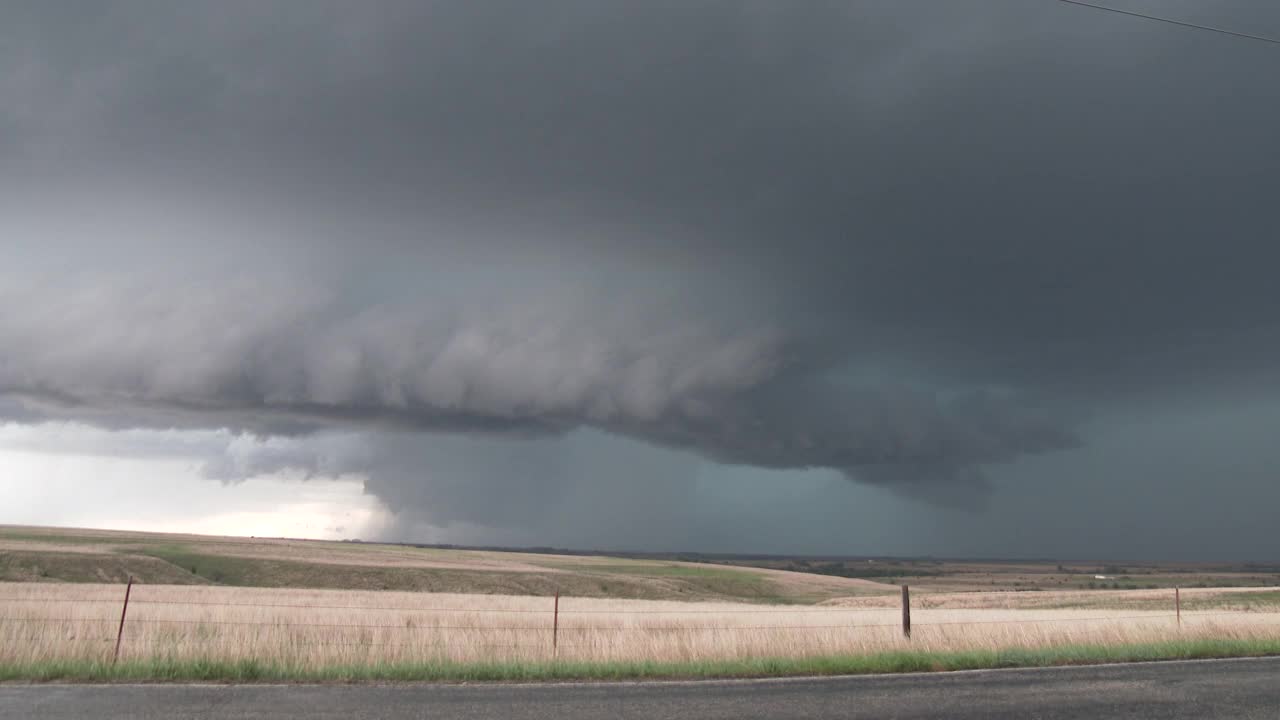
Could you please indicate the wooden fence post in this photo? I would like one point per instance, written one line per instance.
(906, 612)
(1177, 603)
(555, 627)
(123, 611)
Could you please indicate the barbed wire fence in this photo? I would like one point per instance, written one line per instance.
(544, 626)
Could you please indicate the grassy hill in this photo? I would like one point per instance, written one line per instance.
(31, 554)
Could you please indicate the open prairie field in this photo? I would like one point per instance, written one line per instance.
(33, 554)
(30, 554)
(307, 608)
(938, 575)
(313, 629)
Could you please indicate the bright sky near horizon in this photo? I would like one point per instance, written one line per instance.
(170, 496)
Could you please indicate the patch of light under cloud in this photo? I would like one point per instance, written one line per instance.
(171, 495)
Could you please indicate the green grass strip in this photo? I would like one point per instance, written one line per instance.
(250, 671)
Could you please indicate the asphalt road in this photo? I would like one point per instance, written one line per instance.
(1237, 689)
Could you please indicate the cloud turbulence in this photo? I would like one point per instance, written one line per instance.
(910, 242)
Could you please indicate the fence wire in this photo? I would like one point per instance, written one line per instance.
(403, 627)
(419, 608)
(554, 627)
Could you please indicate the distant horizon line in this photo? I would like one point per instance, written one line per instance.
(655, 554)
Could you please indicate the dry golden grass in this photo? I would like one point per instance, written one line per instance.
(317, 628)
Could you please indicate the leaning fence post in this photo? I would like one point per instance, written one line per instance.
(555, 627)
(906, 612)
(1177, 603)
(123, 611)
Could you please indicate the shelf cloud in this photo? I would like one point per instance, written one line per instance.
(905, 242)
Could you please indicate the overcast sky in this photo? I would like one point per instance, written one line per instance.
(984, 277)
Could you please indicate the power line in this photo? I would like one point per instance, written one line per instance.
(1171, 21)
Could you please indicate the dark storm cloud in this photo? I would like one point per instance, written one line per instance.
(1023, 182)
(279, 362)
(903, 240)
